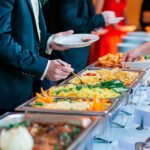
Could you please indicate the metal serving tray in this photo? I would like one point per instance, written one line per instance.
(27, 106)
(95, 64)
(87, 122)
(132, 86)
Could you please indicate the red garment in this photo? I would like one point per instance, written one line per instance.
(118, 8)
(108, 42)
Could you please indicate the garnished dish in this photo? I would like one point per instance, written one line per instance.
(39, 136)
(97, 76)
(112, 60)
(72, 104)
(110, 89)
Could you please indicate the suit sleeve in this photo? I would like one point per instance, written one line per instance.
(11, 52)
(70, 20)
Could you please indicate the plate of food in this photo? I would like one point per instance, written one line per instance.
(77, 40)
(111, 61)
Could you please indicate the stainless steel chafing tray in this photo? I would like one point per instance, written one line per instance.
(133, 85)
(94, 64)
(28, 107)
(87, 122)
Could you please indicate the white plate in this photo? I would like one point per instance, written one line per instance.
(116, 20)
(75, 40)
(124, 47)
(137, 65)
(135, 39)
(139, 34)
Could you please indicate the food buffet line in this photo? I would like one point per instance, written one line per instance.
(78, 112)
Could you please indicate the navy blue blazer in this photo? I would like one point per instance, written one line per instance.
(78, 15)
(21, 52)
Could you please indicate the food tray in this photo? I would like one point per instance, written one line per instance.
(27, 106)
(97, 65)
(87, 122)
(131, 86)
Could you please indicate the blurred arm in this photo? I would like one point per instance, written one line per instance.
(99, 6)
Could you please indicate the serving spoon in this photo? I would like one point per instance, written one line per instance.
(74, 74)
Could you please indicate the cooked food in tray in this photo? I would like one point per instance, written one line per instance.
(53, 136)
(71, 104)
(108, 89)
(83, 92)
(96, 76)
(39, 136)
(112, 60)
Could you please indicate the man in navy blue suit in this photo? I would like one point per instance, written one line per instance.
(23, 41)
(78, 15)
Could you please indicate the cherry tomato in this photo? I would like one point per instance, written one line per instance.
(90, 74)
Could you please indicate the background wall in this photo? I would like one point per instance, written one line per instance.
(133, 11)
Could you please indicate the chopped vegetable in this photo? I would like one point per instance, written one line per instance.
(56, 147)
(66, 138)
(76, 131)
(79, 87)
(16, 125)
(39, 103)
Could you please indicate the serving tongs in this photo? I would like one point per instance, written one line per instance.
(77, 76)
(98, 139)
(74, 74)
(143, 145)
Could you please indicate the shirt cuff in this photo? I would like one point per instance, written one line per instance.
(45, 71)
(48, 48)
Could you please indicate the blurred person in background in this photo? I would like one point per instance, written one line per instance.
(23, 43)
(117, 6)
(137, 53)
(145, 14)
(112, 35)
(78, 15)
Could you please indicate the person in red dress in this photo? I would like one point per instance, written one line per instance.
(111, 36)
(118, 6)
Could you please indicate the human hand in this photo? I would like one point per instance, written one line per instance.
(108, 16)
(58, 47)
(100, 31)
(132, 55)
(57, 71)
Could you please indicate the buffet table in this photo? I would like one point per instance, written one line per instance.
(101, 114)
(127, 135)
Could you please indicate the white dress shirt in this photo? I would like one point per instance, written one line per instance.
(35, 6)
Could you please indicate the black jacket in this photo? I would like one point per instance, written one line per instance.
(71, 14)
(20, 52)
(78, 15)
